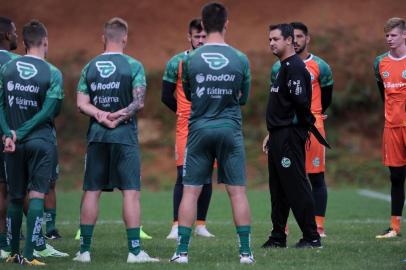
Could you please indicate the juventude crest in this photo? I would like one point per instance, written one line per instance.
(216, 61)
(105, 68)
(26, 70)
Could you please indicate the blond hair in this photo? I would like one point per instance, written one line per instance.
(115, 29)
(393, 23)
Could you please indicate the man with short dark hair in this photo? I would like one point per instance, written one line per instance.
(288, 120)
(31, 92)
(111, 90)
(216, 79)
(172, 83)
(322, 88)
(390, 73)
(8, 42)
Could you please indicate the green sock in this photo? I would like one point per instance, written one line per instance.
(133, 238)
(34, 224)
(3, 241)
(86, 233)
(184, 239)
(50, 215)
(14, 220)
(244, 237)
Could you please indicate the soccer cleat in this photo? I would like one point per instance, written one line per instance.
(180, 258)
(77, 236)
(4, 254)
(53, 235)
(33, 262)
(144, 235)
(201, 230)
(388, 233)
(321, 232)
(13, 259)
(274, 243)
(308, 243)
(49, 251)
(142, 257)
(174, 233)
(246, 258)
(82, 257)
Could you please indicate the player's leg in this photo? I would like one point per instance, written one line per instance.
(203, 204)
(319, 192)
(397, 177)
(4, 246)
(177, 197)
(50, 201)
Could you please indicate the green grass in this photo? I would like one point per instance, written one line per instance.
(351, 225)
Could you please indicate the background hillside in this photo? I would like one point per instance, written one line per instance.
(347, 34)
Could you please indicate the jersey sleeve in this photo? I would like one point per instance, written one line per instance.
(297, 87)
(376, 69)
(139, 79)
(326, 76)
(185, 77)
(82, 85)
(56, 88)
(246, 84)
(171, 70)
(3, 122)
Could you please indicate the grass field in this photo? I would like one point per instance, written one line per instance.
(353, 220)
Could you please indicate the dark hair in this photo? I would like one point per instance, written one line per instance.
(115, 29)
(214, 17)
(286, 29)
(393, 23)
(195, 24)
(33, 33)
(300, 26)
(5, 26)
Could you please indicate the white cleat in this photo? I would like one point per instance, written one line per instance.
(142, 257)
(179, 258)
(174, 233)
(201, 230)
(82, 257)
(49, 251)
(246, 258)
(4, 254)
(389, 233)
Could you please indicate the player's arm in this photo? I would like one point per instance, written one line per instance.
(3, 122)
(167, 95)
(185, 79)
(381, 88)
(379, 81)
(246, 82)
(326, 84)
(326, 97)
(52, 103)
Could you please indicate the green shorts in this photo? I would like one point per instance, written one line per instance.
(112, 165)
(29, 168)
(226, 145)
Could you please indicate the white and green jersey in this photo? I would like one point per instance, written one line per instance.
(109, 79)
(216, 79)
(30, 91)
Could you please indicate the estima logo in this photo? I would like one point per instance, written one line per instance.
(11, 86)
(26, 70)
(105, 101)
(104, 86)
(216, 61)
(105, 68)
(200, 91)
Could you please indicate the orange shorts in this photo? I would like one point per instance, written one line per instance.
(182, 131)
(316, 153)
(394, 146)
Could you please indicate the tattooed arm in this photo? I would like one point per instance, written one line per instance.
(129, 111)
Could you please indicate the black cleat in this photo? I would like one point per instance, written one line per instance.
(274, 243)
(53, 235)
(308, 243)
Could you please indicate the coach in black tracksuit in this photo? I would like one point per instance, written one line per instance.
(288, 120)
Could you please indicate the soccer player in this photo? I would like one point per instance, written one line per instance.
(172, 83)
(8, 42)
(288, 121)
(110, 91)
(390, 73)
(216, 79)
(322, 89)
(31, 91)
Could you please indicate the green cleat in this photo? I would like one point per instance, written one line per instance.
(49, 251)
(77, 236)
(143, 235)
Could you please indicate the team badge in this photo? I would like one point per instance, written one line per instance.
(285, 162)
(26, 70)
(385, 74)
(200, 91)
(105, 68)
(404, 74)
(216, 61)
(316, 162)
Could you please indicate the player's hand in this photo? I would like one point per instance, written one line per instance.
(116, 115)
(101, 115)
(14, 135)
(109, 124)
(265, 144)
(9, 146)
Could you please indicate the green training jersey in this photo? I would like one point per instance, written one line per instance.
(109, 80)
(28, 85)
(216, 79)
(171, 73)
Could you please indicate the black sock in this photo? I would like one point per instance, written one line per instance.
(319, 192)
(203, 202)
(397, 178)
